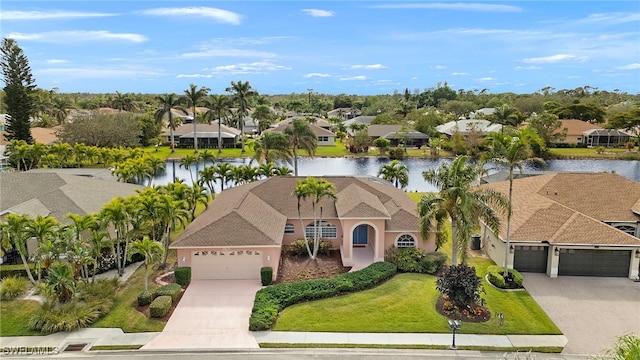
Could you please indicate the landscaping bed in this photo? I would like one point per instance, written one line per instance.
(300, 267)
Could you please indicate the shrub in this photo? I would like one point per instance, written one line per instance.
(496, 276)
(298, 247)
(496, 279)
(172, 290)
(516, 277)
(145, 298)
(17, 271)
(266, 275)
(160, 306)
(460, 284)
(12, 287)
(411, 259)
(273, 299)
(431, 262)
(397, 153)
(183, 275)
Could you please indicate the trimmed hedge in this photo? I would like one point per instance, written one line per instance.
(172, 290)
(266, 275)
(145, 298)
(298, 247)
(17, 271)
(411, 259)
(183, 275)
(495, 276)
(275, 298)
(160, 306)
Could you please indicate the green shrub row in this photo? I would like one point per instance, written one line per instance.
(183, 275)
(160, 306)
(271, 300)
(266, 275)
(495, 275)
(17, 271)
(12, 287)
(298, 247)
(411, 259)
(172, 290)
(145, 298)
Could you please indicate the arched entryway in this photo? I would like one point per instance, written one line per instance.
(360, 236)
(364, 242)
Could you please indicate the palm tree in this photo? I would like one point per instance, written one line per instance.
(97, 242)
(316, 189)
(300, 136)
(219, 107)
(241, 93)
(116, 212)
(60, 109)
(223, 173)
(15, 230)
(167, 102)
(187, 161)
(264, 116)
(196, 194)
(43, 229)
(152, 251)
(513, 150)
(61, 284)
(460, 203)
(267, 170)
(507, 115)
(395, 172)
(282, 171)
(193, 96)
(270, 147)
(172, 212)
(208, 178)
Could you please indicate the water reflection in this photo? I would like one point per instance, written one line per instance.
(371, 165)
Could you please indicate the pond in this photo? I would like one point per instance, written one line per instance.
(370, 166)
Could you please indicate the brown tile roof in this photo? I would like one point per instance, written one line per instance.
(255, 214)
(201, 128)
(317, 130)
(571, 208)
(577, 127)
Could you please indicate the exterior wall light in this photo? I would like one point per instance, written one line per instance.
(638, 253)
(556, 252)
(511, 249)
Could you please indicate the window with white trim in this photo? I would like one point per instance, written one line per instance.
(325, 230)
(405, 240)
(289, 229)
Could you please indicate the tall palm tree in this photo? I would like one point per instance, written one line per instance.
(395, 172)
(300, 136)
(193, 97)
(223, 173)
(187, 162)
(270, 147)
(152, 251)
(219, 108)
(14, 231)
(43, 229)
(116, 213)
(97, 242)
(173, 211)
(241, 94)
(264, 116)
(60, 109)
(208, 178)
(316, 189)
(513, 149)
(458, 202)
(167, 102)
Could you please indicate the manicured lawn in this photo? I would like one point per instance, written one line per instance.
(609, 153)
(15, 317)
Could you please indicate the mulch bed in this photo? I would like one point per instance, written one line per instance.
(294, 268)
(485, 315)
(145, 309)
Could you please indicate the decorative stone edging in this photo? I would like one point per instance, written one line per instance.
(158, 279)
(486, 277)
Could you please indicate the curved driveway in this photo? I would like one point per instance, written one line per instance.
(212, 314)
(590, 311)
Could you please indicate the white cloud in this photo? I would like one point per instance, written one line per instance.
(609, 18)
(453, 6)
(634, 66)
(312, 75)
(70, 37)
(352, 78)
(487, 79)
(554, 59)
(228, 53)
(318, 12)
(259, 67)
(220, 15)
(438, 67)
(42, 15)
(383, 82)
(97, 73)
(369, 67)
(532, 67)
(459, 74)
(56, 61)
(194, 76)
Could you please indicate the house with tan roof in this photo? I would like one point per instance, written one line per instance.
(580, 132)
(397, 135)
(325, 137)
(245, 227)
(570, 224)
(207, 136)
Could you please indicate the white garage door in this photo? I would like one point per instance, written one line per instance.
(221, 265)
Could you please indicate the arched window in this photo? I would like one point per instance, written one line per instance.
(325, 230)
(405, 240)
(628, 229)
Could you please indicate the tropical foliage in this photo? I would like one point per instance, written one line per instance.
(316, 190)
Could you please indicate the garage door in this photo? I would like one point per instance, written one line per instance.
(531, 258)
(589, 262)
(222, 265)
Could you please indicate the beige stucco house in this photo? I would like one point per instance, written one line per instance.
(570, 224)
(245, 228)
(325, 137)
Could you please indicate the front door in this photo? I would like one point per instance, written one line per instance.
(360, 235)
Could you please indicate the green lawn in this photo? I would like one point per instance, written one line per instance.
(15, 317)
(610, 153)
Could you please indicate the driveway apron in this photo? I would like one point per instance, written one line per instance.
(590, 311)
(212, 314)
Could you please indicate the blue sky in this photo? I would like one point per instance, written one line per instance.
(353, 47)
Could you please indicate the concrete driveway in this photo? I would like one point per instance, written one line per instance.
(212, 314)
(590, 311)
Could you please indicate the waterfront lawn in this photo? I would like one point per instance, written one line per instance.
(609, 153)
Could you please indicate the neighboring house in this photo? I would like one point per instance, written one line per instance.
(584, 133)
(207, 136)
(397, 135)
(570, 224)
(245, 227)
(344, 113)
(364, 120)
(481, 113)
(575, 130)
(317, 121)
(325, 137)
(465, 127)
(57, 193)
(46, 136)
